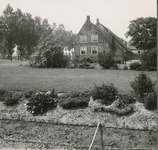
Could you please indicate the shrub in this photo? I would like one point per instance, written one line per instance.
(50, 58)
(86, 65)
(28, 94)
(11, 100)
(134, 65)
(125, 67)
(124, 100)
(106, 92)
(142, 85)
(74, 99)
(41, 102)
(150, 102)
(149, 58)
(2, 94)
(146, 68)
(84, 62)
(106, 60)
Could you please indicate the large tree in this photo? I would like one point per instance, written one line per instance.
(8, 29)
(143, 33)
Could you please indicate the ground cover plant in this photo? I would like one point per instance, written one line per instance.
(74, 99)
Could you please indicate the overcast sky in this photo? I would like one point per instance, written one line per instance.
(114, 14)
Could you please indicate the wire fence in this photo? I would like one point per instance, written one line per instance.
(97, 137)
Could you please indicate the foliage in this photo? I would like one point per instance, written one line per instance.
(134, 65)
(22, 30)
(11, 99)
(41, 102)
(107, 93)
(125, 67)
(125, 100)
(149, 60)
(142, 85)
(150, 102)
(143, 32)
(84, 62)
(86, 65)
(106, 60)
(2, 94)
(8, 29)
(50, 58)
(74, 99)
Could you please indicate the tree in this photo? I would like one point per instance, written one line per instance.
(143, 33)
(8, 29)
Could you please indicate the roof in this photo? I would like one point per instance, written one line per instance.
(107, 34)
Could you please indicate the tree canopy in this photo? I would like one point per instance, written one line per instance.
(143, 33)
(27, 33)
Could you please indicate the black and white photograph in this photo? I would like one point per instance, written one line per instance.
(78, 75)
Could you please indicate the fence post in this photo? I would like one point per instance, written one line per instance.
(94, 136)
(101, 134)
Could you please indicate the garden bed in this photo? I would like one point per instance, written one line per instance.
(74, 127)
(140, 119)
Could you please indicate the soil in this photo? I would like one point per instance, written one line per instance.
(33, 135)
(59, 129)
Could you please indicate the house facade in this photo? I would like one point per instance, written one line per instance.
(95, 38)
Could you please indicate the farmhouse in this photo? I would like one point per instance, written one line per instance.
(95, 38)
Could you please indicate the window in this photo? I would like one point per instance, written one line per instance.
(83, 39)
(83, 50)
(94, 50)
(94, 38)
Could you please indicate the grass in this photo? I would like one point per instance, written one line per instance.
(17, 76)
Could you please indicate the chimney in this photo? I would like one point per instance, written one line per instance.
(88, 18)
(97, 22)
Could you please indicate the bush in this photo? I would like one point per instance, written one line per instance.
(106, 60)
(41, 102)
(74, 99)
(50, 58)
(86, 65)
(125, 67)
(146, 68)
(83, 62)
(149, 58)
(2, 94)
(107, 93)
(150, 102)
(142, 85)
(134, 65)
(11, 100)
(124, 100)
(28, 94)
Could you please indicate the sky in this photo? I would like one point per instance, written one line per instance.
(113, 14)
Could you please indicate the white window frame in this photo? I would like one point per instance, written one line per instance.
(94, 38)
(83, 39)
(83, 48)
(92, 49)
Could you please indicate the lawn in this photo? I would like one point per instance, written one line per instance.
(16, 75)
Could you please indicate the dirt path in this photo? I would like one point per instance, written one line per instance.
(33, 135)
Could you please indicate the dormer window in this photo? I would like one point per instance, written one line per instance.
(94, 38)
(83, 39)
